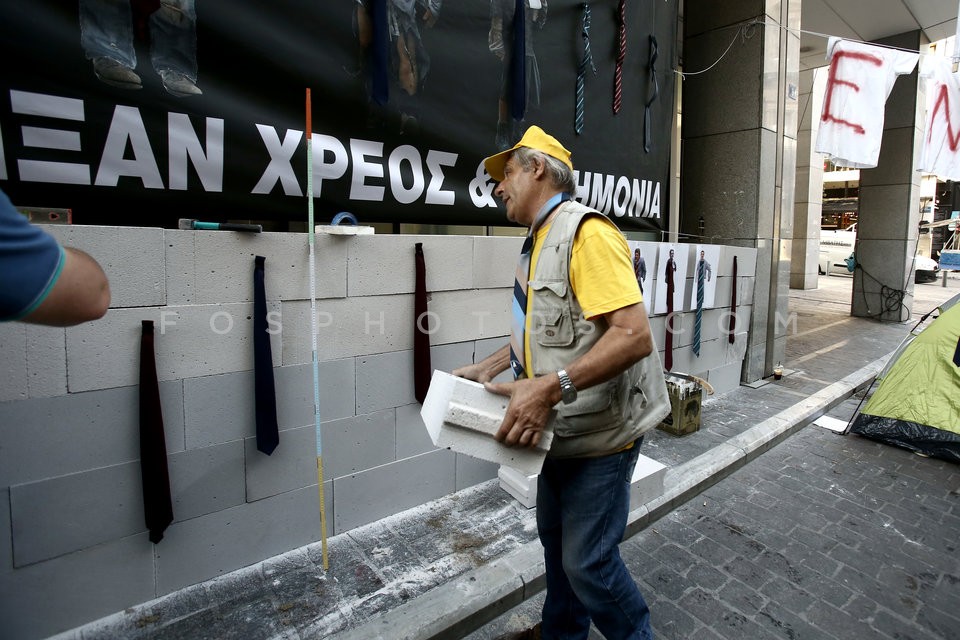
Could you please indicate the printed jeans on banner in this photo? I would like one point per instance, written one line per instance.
(582, 507)
(106, 30)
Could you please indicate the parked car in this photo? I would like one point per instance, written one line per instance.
(925, 269)
(836, 256)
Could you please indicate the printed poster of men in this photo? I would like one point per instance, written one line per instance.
(702, 268)
(672, 274)
(644, 258)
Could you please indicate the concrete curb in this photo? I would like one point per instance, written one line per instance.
(478, 596)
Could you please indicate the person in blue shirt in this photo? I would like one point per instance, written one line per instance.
(42, 282)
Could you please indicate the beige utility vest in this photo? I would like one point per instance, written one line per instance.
(604, 418)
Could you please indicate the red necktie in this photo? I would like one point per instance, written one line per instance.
(621, 54)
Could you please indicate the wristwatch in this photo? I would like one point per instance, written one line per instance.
(568, 392)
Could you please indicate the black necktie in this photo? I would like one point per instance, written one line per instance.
(157, 504)
(668, 340)
(268, 435)
(421, 326)
(518, 64)
(647, 112)
(731, 331)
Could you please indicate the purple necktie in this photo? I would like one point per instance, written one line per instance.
(421, 327)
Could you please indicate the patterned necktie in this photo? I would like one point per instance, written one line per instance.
(698, 317)
(422, 370)
(582, 70)
(668, 340)
(621, 54)
(731, 331)
(265, 393)
(519, 310)
(647, 111)
(381, 41)
(518, 64)
(157, 503)
(639, 270)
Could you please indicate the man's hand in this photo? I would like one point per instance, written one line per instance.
(476, 372)
(530, 403)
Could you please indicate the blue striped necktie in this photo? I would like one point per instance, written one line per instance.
(582, 70)
(519, 310)
(698, 318)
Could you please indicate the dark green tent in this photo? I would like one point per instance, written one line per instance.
(917, 404)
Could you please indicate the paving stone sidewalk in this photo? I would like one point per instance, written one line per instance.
(411, 556)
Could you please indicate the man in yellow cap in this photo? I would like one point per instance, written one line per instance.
(582, 326)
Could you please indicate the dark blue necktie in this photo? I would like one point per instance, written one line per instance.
(268, 435)
(381, 42)
(518, 64)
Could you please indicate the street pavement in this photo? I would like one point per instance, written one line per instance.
(770, 527)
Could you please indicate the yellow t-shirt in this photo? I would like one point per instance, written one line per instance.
(601, 271)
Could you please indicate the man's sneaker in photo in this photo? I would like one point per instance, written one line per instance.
(179, 84)
(115, 74)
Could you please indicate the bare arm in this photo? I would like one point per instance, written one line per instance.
(80, 294)
(488, 368)
(627, 340)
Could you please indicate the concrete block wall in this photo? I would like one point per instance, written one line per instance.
(73, 545)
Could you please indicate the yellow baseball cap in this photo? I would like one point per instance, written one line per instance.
(534, 138)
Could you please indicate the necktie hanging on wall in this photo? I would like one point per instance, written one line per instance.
(518, 63)
(582, 70)
(421, 338)
(380, 53)
(668, 339)
(647, 111)
(518, 315)
(732, 327)
(621, 55)
(698, 317)
(157, 504)
(268, 432)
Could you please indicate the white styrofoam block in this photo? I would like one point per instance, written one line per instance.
(189, 341)
(367, 325)
(133, 259)
(492, 260)
(384, 264)
(520, 485)
(478, 413)
(343, 230)
(46, 361)
(225, 260)
(647, 481)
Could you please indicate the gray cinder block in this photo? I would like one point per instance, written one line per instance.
(206, 480)
(202, 548)
(292, 465)
(376, 493)
(353, 445)
(60, 515)
(60, 594)
(48, 437)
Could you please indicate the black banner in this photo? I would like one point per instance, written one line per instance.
(137, 143)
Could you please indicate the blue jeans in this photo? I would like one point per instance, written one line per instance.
(106, 30)
(582, 507)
